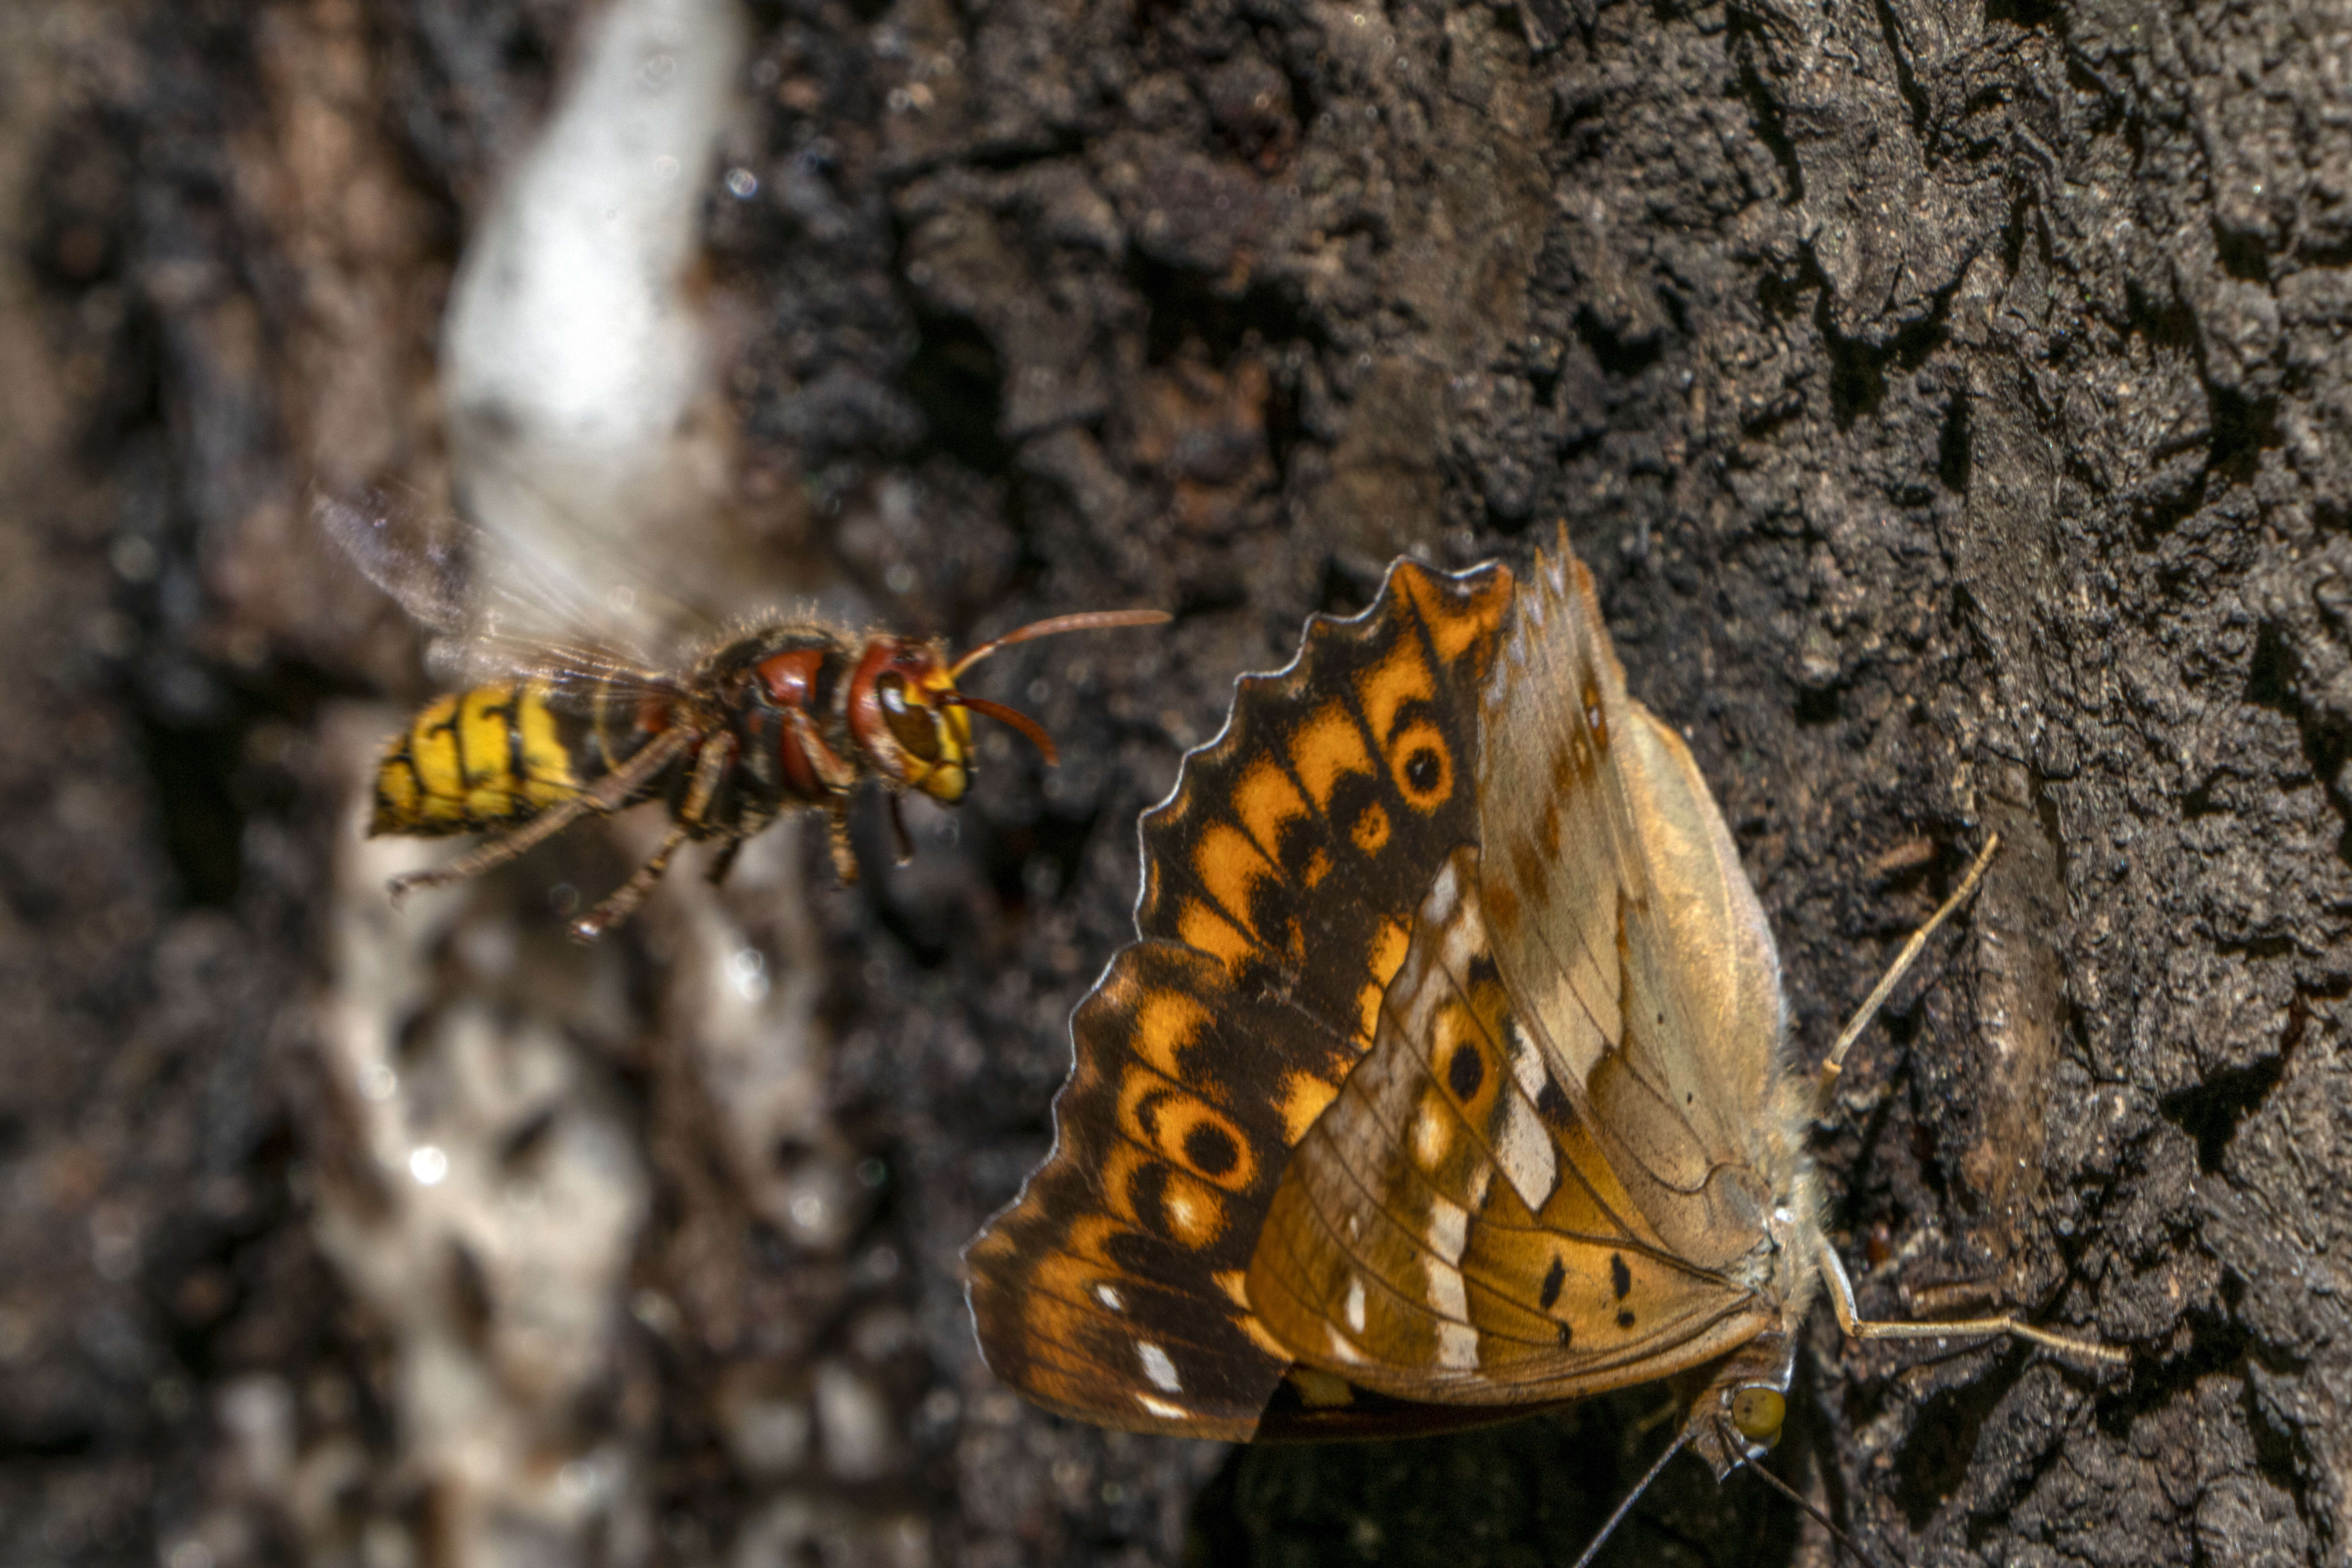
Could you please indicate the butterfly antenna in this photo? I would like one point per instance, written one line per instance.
(1794, 1496)
(1086, 621)
(1834, 1063)
(1030, 728)
(1682, 1440)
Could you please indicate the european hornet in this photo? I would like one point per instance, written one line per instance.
(778, 715)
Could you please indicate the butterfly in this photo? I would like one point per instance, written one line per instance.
(1450, 1076)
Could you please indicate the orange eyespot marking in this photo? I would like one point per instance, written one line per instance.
(1421, 766)
(1455, 1057)
(1186, 1131)
(1370, 832)
(1194, 1213)
(1213, 1149)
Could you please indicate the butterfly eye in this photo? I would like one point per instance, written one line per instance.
(1758, 1412)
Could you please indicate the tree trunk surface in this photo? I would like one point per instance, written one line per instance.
(1952, 397)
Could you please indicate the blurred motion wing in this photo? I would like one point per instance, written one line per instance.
(581, 626)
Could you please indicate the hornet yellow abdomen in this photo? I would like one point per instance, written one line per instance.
(475, 761)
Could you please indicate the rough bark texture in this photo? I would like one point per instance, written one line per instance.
(1953, 396)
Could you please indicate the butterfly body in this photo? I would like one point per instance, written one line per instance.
(1451, 1079)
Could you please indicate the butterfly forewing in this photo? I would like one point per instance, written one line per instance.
(1280, 881)
(1298, 842)
(1111, 1289)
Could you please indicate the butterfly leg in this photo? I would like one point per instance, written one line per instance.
(609, 795)
(715, 755)
(1857, 1327)
(1834, 1063)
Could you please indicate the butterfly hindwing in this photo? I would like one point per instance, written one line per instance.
(1280, 879)
(1450, 1231)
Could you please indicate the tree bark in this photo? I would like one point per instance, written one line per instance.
(1952, 397)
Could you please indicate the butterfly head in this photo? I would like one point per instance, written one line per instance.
(1738, 1414)
(1756, 1411)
